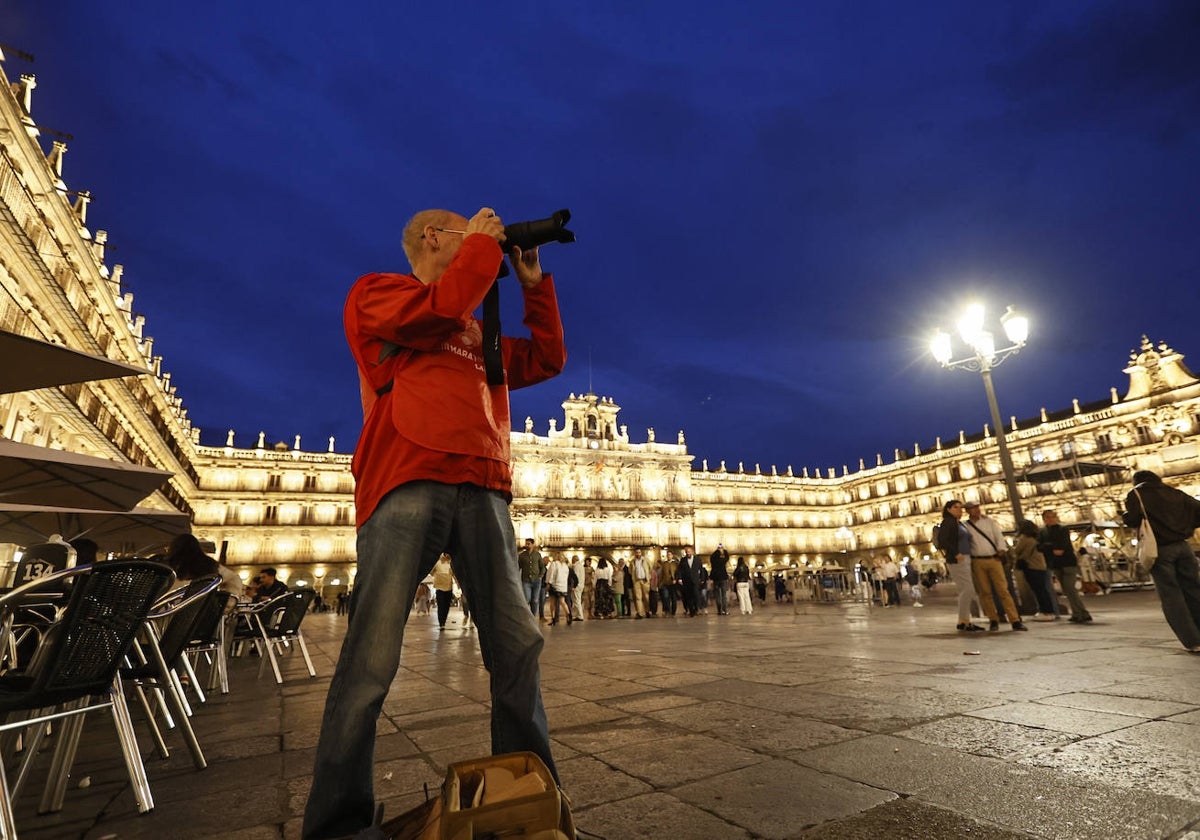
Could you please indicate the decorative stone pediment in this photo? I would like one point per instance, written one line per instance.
(1156, 370)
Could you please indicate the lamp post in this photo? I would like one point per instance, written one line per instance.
(985, 356)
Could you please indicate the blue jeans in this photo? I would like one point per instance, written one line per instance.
(397, 547)
(1177, 578)
(532, 590)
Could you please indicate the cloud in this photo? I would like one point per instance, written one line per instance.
(1118, 57)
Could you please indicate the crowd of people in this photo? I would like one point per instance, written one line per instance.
(985, 566)
(566, 589)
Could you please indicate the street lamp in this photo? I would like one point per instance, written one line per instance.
(985, 357)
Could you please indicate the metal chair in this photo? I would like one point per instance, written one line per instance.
(181, 610)
(208, 641)
(276, 624)
(75, 668)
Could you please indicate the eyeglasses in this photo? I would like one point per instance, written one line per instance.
(447, 230)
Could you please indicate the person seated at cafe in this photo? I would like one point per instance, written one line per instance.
(189, 562)
(269, 586)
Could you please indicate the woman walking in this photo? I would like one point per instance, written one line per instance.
(741, 576)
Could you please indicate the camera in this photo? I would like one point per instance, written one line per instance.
(526, 235)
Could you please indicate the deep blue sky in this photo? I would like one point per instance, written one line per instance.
(775, 201)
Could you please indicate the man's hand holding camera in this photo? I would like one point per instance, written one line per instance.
(526, 264)
(486, 221)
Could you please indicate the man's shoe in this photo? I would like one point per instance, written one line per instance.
(917, 604)
(993, 626)
(1017, 625)
(970, 628)
(638, 616)
(1076, 619)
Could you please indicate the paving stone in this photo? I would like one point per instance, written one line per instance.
(778, 799)
(449, 736)
(1188, 717)
(908, 819)
(655, 815)
(578, 714)
(891, 763)
(1051, 804)
(665, 762)
(996, 739)
(598, 738)
(650, 701)
(1135, 766)
(211, 814)
(592, 782)
(1060, 719)
(1133, 706)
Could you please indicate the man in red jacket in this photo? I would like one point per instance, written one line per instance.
(433, 475)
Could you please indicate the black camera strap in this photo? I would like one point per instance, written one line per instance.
(493, 357)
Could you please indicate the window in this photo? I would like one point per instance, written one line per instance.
(1068, 448)
(1104, 442)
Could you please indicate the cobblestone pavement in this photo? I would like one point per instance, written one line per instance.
(824, 721)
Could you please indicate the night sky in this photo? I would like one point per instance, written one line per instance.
(776, 202)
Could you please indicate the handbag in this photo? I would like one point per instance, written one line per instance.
(1147, 545)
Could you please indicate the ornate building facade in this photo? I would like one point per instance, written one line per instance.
(583, 488)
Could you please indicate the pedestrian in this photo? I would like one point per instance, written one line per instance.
(718, 573)
(1030, 562)
(1173, 516)
(954, 542)
(988, 548)
(1054, 541)
(533, 569)
(605, 606)
(741, 579)
(913, 578)
(558, 574)
(579, 572)
(443, 588)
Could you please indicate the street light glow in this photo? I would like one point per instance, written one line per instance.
(1016, 326)
(970, 324)
(939, 346)
(984, 356)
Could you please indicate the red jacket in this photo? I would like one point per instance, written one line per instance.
(440, 421)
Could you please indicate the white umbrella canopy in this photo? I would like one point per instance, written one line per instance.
(29, 364)
(128, 531)
(35, 475)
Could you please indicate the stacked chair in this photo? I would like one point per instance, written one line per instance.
(172, 625)
(74, 669)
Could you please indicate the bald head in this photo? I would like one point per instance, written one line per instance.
(414, 231)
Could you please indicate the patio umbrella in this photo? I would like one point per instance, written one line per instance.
(30, 363)
(112, 530)
(35, 475)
